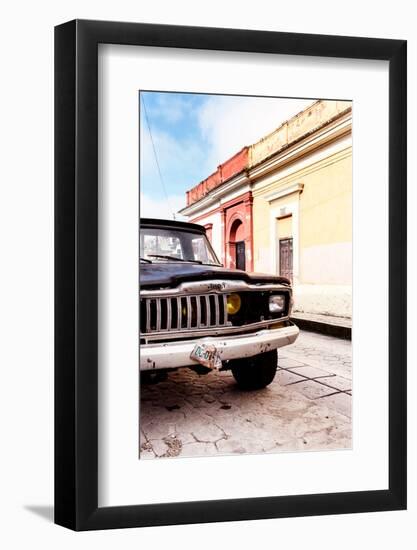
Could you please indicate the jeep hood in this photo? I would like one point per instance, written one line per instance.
(162, 275)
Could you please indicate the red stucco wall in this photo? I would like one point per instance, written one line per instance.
(225, 171)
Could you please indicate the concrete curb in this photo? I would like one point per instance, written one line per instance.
(338, 330)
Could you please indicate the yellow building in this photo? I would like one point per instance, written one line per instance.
(291, 193)
(301, 182)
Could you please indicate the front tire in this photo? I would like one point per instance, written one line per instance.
(255, 373)
(152, 377)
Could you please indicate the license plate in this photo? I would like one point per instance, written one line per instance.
(207, 355)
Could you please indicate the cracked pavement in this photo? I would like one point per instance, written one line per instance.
(307, 407)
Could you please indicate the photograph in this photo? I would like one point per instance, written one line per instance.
(245, 278)
(208, 294)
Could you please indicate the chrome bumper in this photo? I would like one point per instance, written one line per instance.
(170, 355)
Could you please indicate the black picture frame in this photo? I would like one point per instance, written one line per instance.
(76, 271)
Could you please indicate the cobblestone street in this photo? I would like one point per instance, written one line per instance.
(307, 407)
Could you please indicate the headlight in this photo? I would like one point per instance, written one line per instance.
(277, 303)
(233, 303)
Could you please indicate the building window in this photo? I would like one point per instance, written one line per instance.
(285, 247)
(285, 258)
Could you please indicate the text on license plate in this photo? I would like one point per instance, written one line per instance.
(207, 355)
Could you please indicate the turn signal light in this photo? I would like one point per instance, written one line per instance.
(234, 303)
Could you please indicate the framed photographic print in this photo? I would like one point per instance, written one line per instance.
(230, 275)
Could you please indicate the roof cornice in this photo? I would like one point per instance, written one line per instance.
(216, 194)
(330, 132)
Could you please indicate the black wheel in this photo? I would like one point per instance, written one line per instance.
(152, 377)
(254, 373)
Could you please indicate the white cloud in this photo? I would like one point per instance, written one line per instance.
(161, 209)
(229, 123)
(169, 107)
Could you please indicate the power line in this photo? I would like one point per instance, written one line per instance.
(156, 156)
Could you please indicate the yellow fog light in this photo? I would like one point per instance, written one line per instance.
(233, 303)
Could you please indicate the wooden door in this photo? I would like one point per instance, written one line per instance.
(240, 255)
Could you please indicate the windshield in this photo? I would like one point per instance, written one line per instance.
(165, 245)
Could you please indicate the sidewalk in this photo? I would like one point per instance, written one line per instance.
(340, 327)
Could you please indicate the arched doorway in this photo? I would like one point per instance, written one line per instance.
(237, 245)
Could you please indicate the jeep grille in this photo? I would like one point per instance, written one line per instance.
(183, 313)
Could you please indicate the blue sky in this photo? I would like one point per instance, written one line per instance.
(192, 134)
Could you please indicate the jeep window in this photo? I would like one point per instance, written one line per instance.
(162, 245)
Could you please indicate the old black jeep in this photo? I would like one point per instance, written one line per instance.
(196, 313)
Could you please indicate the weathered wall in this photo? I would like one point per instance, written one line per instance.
(309, 120)
(231, 167)
(333, 300)
(326, 202)
(321, 227)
